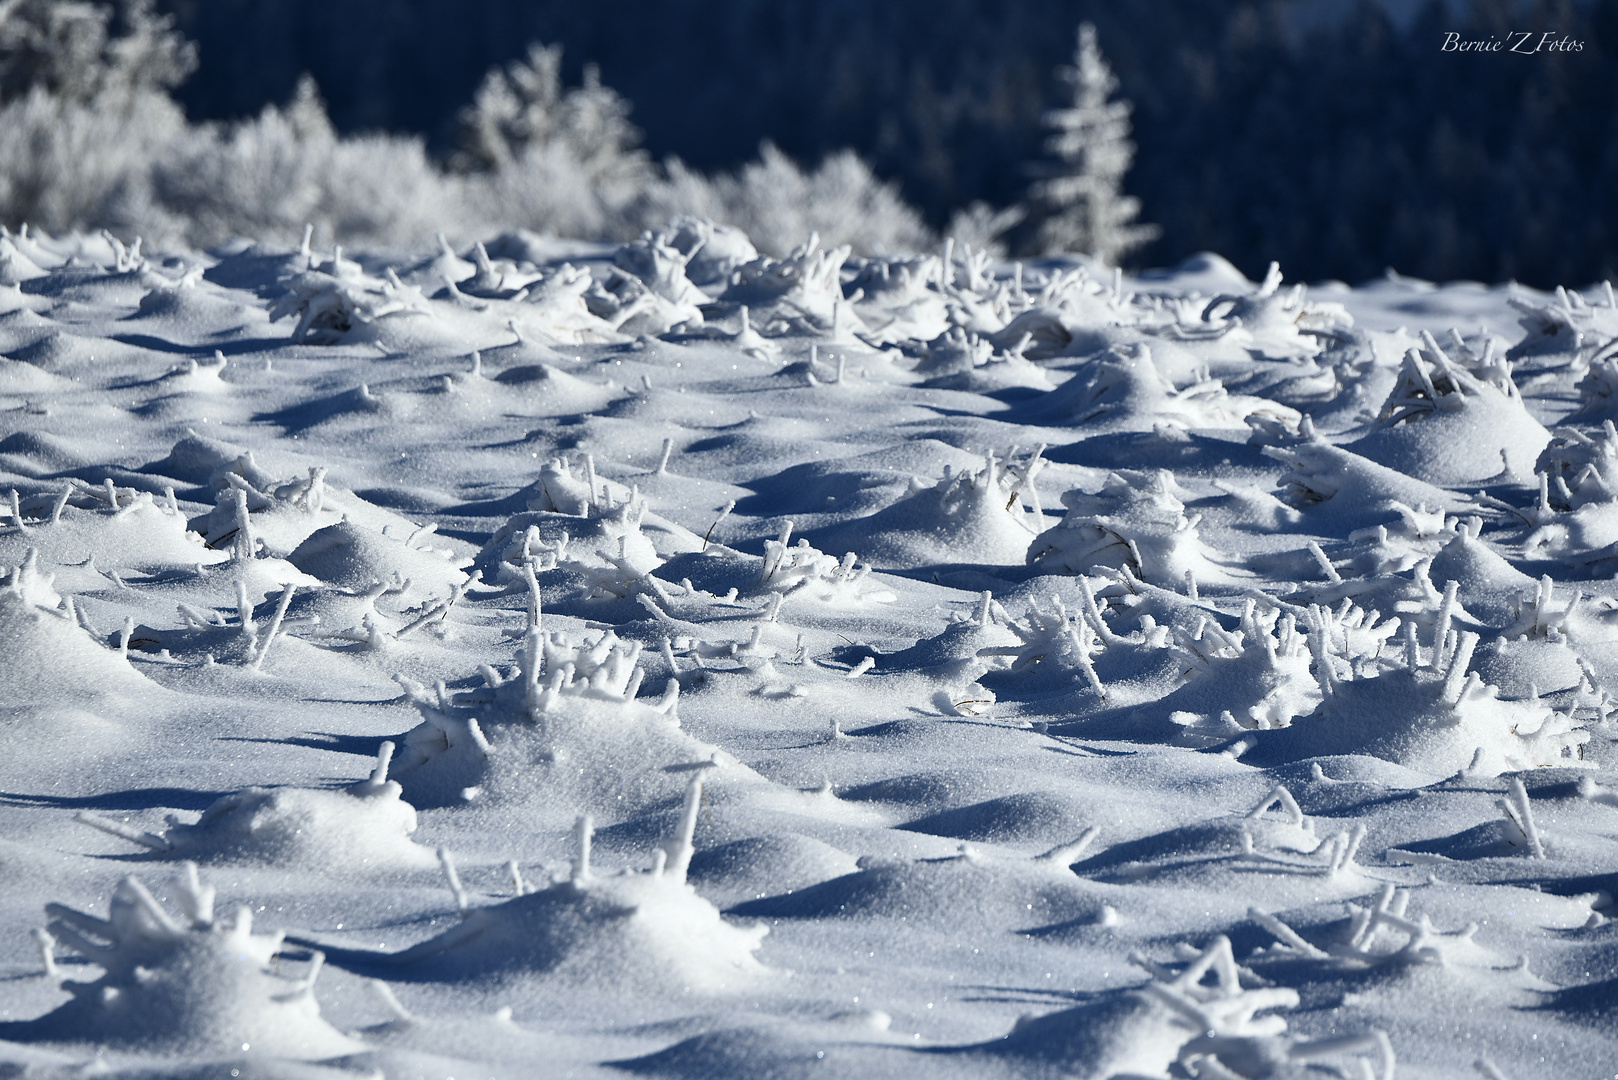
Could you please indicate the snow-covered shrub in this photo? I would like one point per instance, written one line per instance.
(985, 515)
(634, 931)
(1266, 321)
(562, 735)
(598, 539)
(981, 226)
(1446, 424)
(802, 571)
(898, 299)
(339, 303)
(1137, 520)
(1423, 709)
(1568, 328)
(1178, 1021)
(363, 828)
(1123, 389)
(1380, 934)
(1057, 648)
(194, 985)
(1598, 389)
(712, 250)
(807, 281)
(1255, 677)
(646, 291)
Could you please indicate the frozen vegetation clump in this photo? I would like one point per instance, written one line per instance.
(635, 931)
(193, 984)
(361, 829)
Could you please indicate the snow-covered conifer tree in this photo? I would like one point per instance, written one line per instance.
(1078, 203)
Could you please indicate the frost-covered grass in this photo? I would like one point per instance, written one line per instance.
(673, 659)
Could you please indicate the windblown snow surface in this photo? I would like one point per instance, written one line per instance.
(543, 660)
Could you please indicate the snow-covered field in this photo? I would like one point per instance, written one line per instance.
(1214, 684)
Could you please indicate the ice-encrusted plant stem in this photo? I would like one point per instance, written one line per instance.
(275, 625)
(583, 830)
(447, 862)
(680, 847)
(1517, 810)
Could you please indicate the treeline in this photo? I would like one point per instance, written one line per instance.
(90, 137)
(1326, 135)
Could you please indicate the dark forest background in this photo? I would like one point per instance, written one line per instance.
(1337, 138)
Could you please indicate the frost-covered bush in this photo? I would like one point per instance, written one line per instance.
(522, 108)
(74, 50)
(270, 175)
(777, 203)
(68, 165)
(89, 139)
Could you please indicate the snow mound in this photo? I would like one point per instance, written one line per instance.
(1122, 389)
(1137, 520)
(194, 985)
(1424, 711)
(1332, 482)
(564, 734)
(1274, 838)
(354, 558)
(957, 656)
(959, 360)
(1446, 425)
(641, 931)
(118, 528)
(973, 889)
(49, 659)
(361, 829)
(1178, 1024)
(988, 515)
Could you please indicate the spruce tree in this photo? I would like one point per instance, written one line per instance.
(1078, 204)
